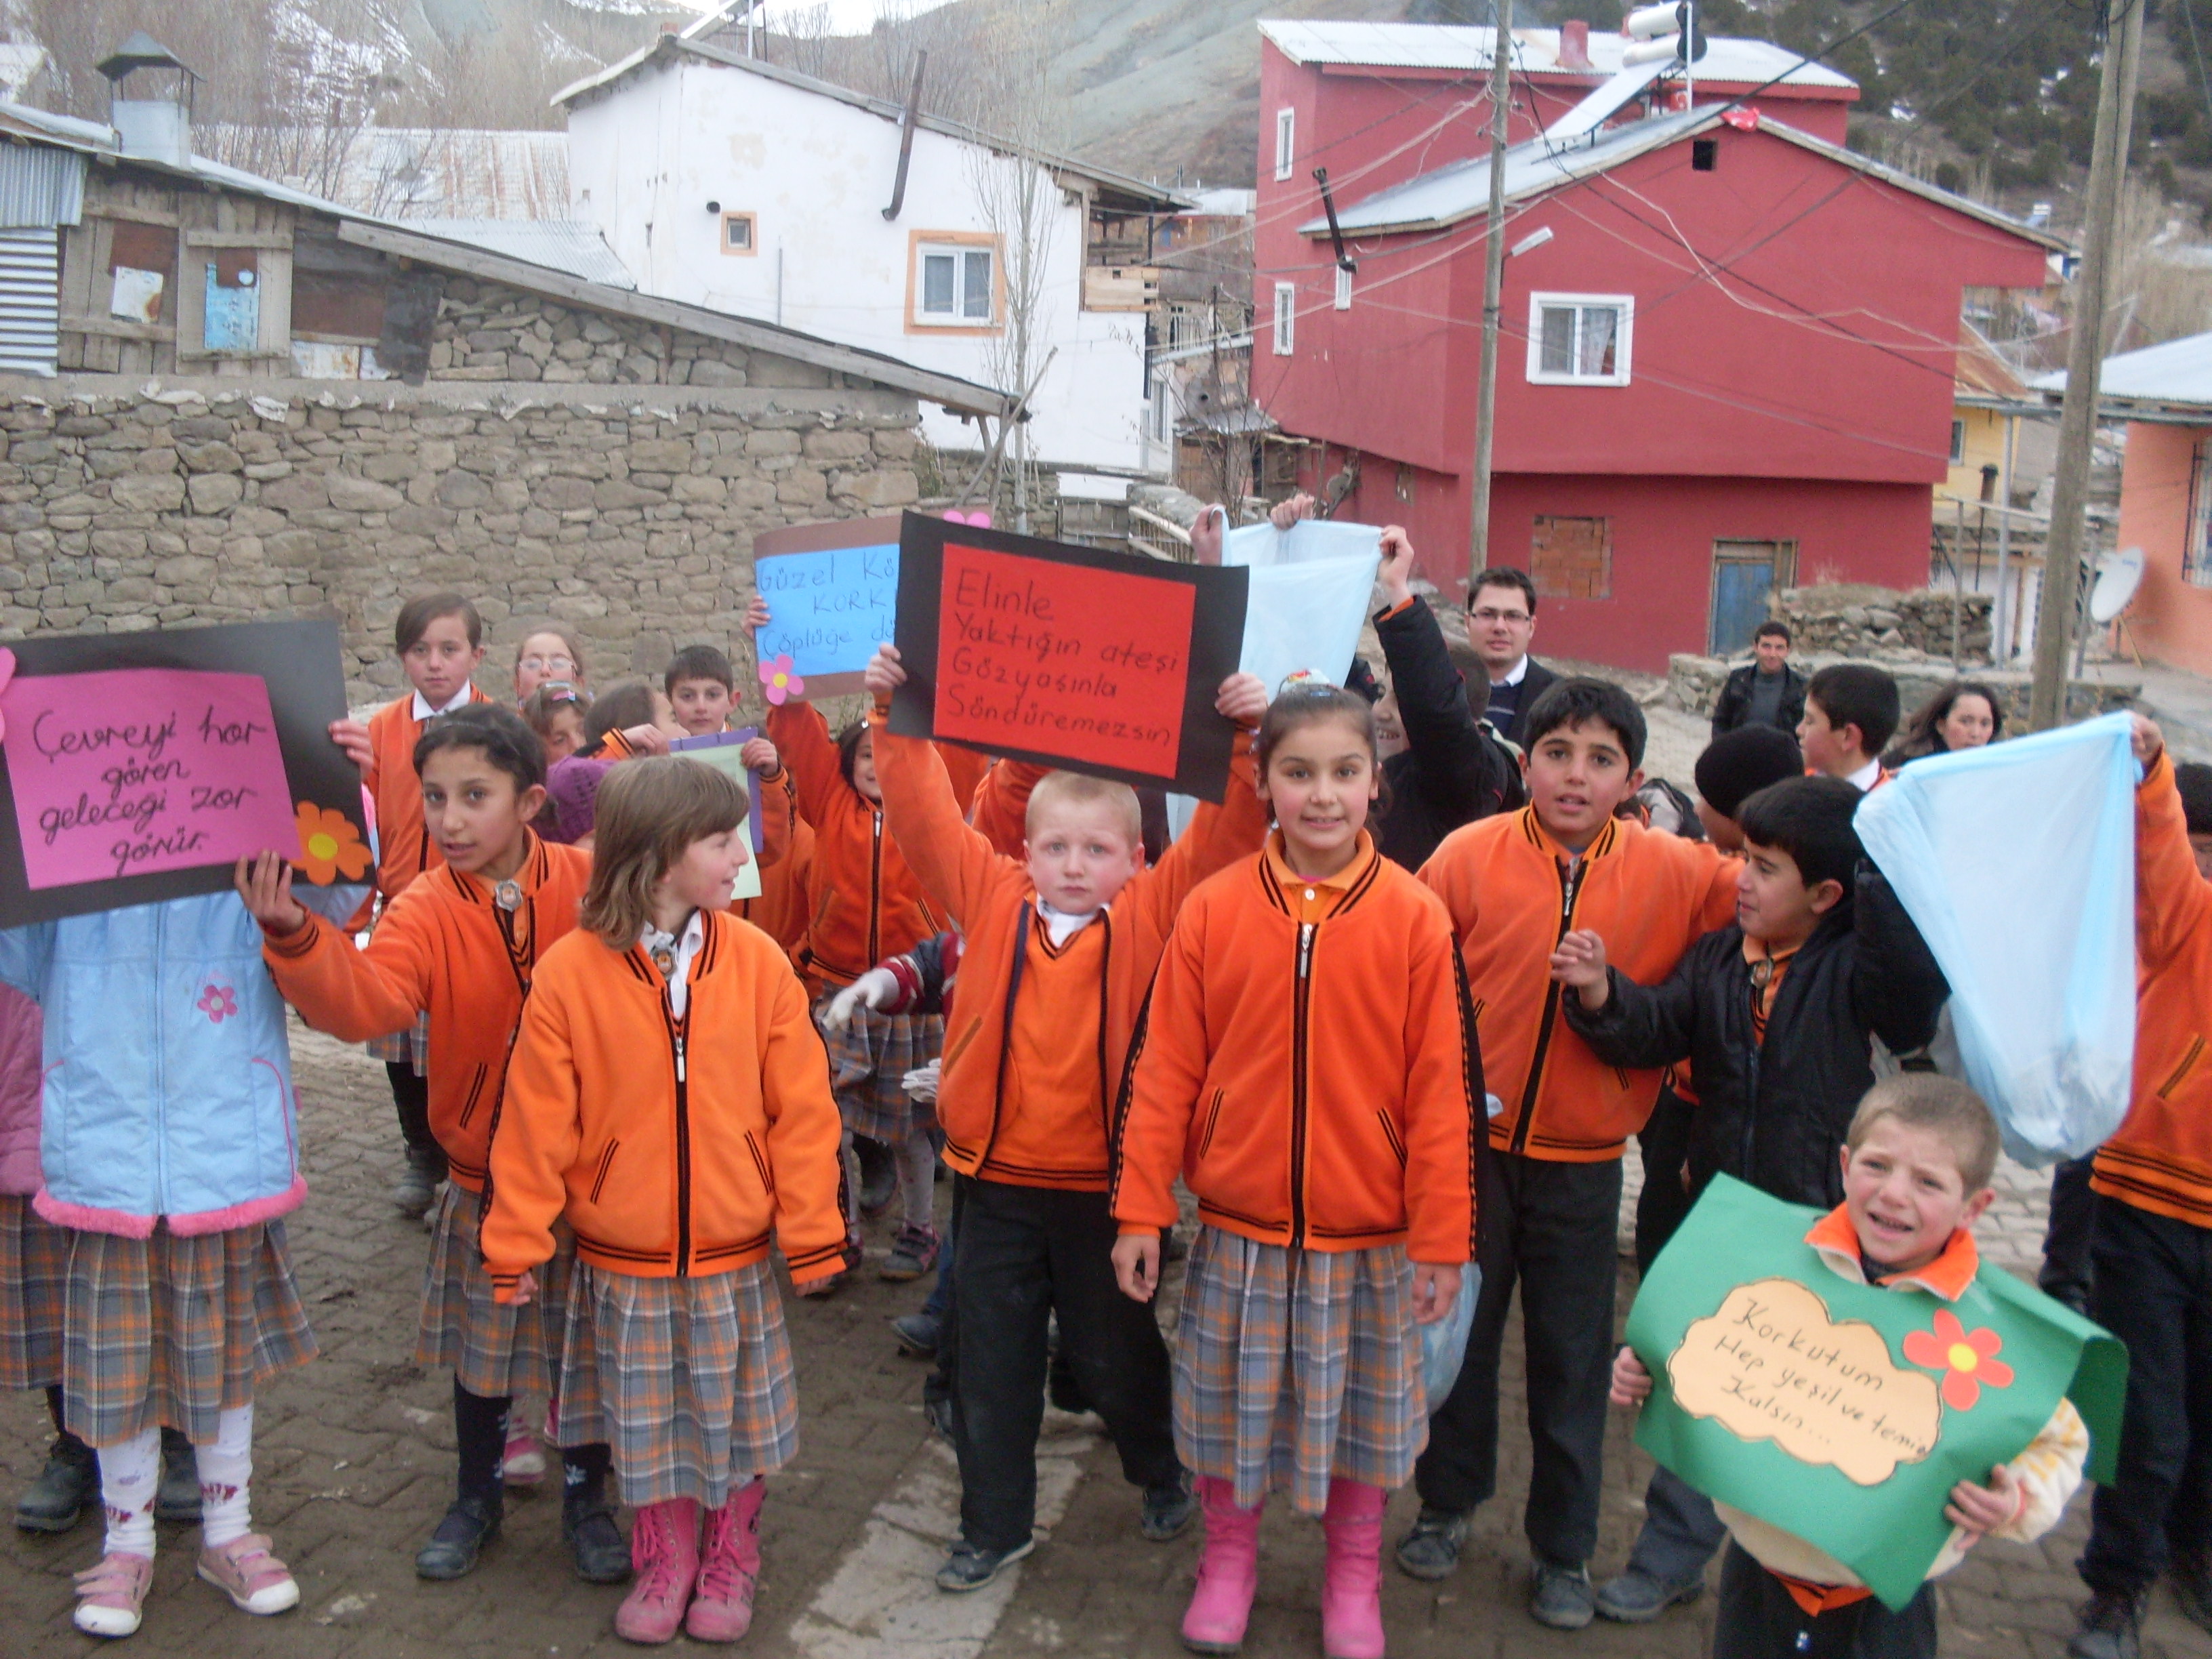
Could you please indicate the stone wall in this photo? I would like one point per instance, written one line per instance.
(1693, 685)
(1878, 622)
(626, 514)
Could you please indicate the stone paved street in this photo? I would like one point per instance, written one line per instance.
(354, 1463)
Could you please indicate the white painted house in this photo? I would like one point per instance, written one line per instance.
(726, 181)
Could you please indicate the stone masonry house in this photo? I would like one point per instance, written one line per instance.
(222, 399)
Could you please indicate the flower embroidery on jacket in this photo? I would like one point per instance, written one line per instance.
(1967, 1358)
(781, 683)
(218, 1002)
(329, 845)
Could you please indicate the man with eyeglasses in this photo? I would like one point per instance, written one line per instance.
(1501, 620)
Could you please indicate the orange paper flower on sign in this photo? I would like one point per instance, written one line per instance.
(1968, 1360)
(329, 846)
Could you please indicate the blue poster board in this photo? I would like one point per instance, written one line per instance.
(832, 594)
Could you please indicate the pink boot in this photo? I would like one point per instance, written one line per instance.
(1228, 1572)
(728, 1564)
(664, 1552)
(1352, 1578)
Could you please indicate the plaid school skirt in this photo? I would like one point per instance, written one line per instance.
(688, 1380)
(172, 1331)
(409, 1046)
(492, 1349)
(1296, 1366)
(866, 1060)
(33, 1272)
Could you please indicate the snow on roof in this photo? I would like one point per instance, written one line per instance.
(2178, 371)
(1728, 60)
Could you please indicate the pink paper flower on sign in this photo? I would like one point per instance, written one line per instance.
(981, 519)
(781, 683)
(1968, 1360)
(218, 1003)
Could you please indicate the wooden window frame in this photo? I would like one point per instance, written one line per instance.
(1623, 338)
(916, 242)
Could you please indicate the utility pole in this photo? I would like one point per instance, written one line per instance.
(2085, 363)
(1493, 284)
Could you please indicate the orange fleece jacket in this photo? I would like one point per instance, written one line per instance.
(404, 849)
(1047, 1137)
(675, 1147)
(1310, 1064)
(1648, 895)
(1001, 808)
(2161, 1160)
(781, 910)
(445, 948)
(863, 902)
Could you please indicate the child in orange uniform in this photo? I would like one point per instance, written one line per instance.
(1550, 1176)
(669, 1096)
(1056, 959)
(1307, 1063)
(460, 947)
(440, 639)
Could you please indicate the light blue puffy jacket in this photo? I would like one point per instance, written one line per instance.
(168, 1078)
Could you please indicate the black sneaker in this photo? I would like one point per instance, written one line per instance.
(1636, 1597)
(1168, 1509)
(917, 1335)
(1561, 1596)
(416, 1189)
(452, 1552)
(1431, 1550)
(178, 1497)
(58, 1499)
(938, 1411)
(879, 1175)
(594, 1541)
(2111, 1627)
(967, 1568)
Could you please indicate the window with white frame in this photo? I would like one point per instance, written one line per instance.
(1286, 130)
(956, 283)
(1287, 317)
(1343, 288)
(738, 234)
(1579, 339)
(2196, 547)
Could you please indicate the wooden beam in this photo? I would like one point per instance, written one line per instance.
(118, 327)
(136, 215)
(954, 393)
(279, 239)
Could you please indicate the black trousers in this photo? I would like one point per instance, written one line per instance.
(410, 1096)
(1550, 1227)
(1025, 1252)
(1664, 1201)
(1759, 1619)
(2153, 1291)
(2065, 1275)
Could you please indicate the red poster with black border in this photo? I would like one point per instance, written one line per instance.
(1102, 663)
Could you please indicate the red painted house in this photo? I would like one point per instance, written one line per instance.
(1727, 342)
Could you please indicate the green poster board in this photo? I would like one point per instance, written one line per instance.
(1845, 1413)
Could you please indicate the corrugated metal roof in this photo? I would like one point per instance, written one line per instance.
(1980, 372)
(30, 300)
(1461, 190)
(569, 244)
(40, 188)
(1728, 60)
(2177, 373)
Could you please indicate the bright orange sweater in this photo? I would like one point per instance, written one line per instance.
(1041, 1131)
(1001, 807)
(781, 911)
(863, 902)
(2161, 1160)
(1512, 894)
(446, 948)
(675, 1147)
(1307, 1062)
(404, 849)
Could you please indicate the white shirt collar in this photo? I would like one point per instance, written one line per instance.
(1868, 776)
(1059, 927)
(659, 944)
(1515, 675)
(424, 711)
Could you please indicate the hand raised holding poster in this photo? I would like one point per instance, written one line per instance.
(832, 594)
(140, 767)
(1066, 656)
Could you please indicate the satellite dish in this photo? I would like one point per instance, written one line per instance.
(2119, 575)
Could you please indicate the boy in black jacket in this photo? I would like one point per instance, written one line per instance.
(1774, 1015)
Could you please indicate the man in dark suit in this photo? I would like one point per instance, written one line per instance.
(1501, 620)
(1766, 691)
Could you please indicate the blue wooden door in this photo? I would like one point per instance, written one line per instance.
(1740, 589)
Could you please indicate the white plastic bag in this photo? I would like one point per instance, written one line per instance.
(1262, 546)
(2017, 863)
(1443, 1345)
